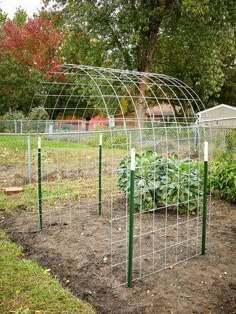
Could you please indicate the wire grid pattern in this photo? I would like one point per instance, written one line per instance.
(84, 90)
(70, 185)
(69, 177)
(162, 236)
(224, 136)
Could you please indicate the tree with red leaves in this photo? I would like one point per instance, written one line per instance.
(29, 50)
(35, 43)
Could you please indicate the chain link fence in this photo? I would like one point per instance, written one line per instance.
(154, 134)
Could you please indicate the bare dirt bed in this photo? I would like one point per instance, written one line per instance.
(74, 252)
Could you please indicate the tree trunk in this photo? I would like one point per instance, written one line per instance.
(145, 65)
(146, 53)
(141, 106)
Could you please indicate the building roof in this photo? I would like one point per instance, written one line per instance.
(162, 110)
(217, 107)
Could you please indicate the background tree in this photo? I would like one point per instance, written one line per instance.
(34, 43)
(2, 18)
(38, 113)
(18, 84)
(191, 40)
(29, 49)
(187, 39)
(127, 30)
(198, 46)
(20, 17)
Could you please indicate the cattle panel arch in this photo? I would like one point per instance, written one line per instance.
(107, 112)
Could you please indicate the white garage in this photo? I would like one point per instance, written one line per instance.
(221, 115)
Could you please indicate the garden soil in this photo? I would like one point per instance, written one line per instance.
(77, 254)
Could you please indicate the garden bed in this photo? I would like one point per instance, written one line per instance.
(78, 253)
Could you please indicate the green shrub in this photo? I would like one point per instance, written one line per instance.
(38, 113)
(7, 123)
(37, 119)
(2, 126)
(231, 140)
(14, 115)
(118, 140)
(162, 182)
(223, 177)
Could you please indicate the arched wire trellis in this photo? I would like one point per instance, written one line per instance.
(156, 115)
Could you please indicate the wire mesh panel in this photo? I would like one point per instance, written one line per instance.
(168, 203)
(97, 116)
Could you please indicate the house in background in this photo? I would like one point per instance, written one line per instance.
(221, 115)
(72, 122)
(162, 112)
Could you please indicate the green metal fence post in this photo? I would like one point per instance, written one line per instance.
(100, 177)
(204, 209)
(131, 218)
(40, 185)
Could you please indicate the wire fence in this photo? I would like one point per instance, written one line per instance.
(93, 124)
(131, 218)
(223, 137)
(77, 182)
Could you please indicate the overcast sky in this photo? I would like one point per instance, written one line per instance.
(10, 6)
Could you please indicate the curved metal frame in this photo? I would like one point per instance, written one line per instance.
(154, 83)
(111, 85)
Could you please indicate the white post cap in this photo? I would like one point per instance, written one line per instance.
(39, 142)
(100, 139)
(132, 166)
(205, 151)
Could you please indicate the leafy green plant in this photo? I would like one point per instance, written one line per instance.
(162, 182)
(231, 140)
(223, 177)
(7, 122)
(38, 113)
(37, 119)
(14, 115)
(118, 140)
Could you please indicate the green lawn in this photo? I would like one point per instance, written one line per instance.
(20, 142)
(28, 198)
(83, 140)
(54, 193)
(25, 287)
(13, 148)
